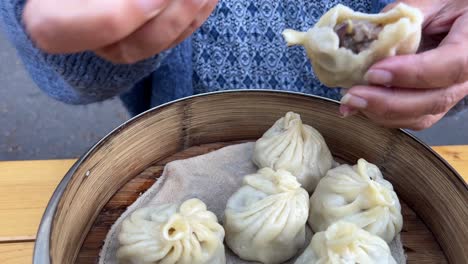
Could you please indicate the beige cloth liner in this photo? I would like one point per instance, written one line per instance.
(212, 178)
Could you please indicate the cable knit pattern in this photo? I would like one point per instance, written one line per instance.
(239, 47)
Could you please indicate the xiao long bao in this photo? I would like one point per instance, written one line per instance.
(358, 194)
(265, 220)
(296, 147)
(344, 44)
(172, 234)
(344, 243)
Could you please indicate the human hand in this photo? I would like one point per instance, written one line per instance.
(416, 91)
(122, 31)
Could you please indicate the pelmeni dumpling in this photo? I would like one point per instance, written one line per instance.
(345, 243)
(293, 146)
(265, 219)
(164, 234)
(343, 44)
(358, 194)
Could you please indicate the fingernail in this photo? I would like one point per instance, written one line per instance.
(347, 111)
(379, 77)
(150, 7)
(354, 101)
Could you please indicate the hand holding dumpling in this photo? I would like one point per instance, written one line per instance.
(416, 91)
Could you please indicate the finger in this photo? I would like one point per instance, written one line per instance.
(443, 15)
(416, 124)
(346, 111)
(75, 25)
(402, 103)
(202, 17)
(437, 68)
(157, 35)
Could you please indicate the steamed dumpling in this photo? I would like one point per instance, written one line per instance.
(358, 194)
(172, 234)
(345, 243)
(265, 219)
(293, 146)
(344, 44)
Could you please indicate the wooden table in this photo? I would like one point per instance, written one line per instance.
(26, 187)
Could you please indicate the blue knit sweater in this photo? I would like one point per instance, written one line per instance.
(238, 47)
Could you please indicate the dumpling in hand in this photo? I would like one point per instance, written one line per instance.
(358, 194)
(344, 44)
(172, 234)
(265, 219)
(293, 146)
(345, 243)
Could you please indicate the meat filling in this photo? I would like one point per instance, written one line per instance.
(357, 35)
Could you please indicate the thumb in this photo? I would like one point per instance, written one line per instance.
(441, 67)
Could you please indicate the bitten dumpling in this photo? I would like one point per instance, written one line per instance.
(358, 194)
(344, 44)
(172, 234)
(293, 146)
(265, 219)
(345, 243)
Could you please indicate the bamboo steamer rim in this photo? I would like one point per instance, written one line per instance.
(42, 244)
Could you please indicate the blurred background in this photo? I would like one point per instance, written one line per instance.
(34, 126)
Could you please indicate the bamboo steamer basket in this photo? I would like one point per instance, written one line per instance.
(126, 162)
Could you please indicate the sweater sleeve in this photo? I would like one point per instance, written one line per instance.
(79, 78)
